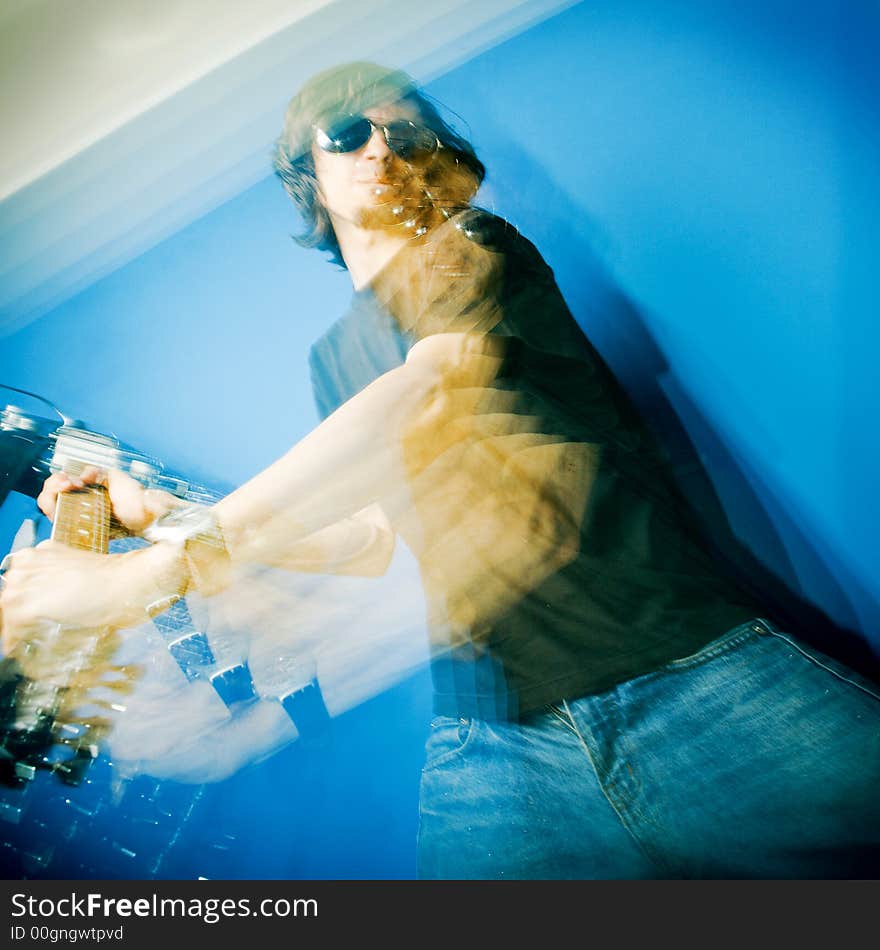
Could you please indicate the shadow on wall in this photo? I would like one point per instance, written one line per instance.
(749, 527)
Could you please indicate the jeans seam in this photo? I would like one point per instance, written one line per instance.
(563, 718)
(453, 753)
(817, 662)
(646, 851)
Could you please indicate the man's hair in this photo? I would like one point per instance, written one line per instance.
(342, 90)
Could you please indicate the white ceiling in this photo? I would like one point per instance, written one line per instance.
(124, 120)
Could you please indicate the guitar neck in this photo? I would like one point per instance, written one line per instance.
(63, 663)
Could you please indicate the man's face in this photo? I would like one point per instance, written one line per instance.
(370, 187)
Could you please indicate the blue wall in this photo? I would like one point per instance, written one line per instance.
(701, 177)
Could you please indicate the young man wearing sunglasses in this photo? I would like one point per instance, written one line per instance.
(609, 703)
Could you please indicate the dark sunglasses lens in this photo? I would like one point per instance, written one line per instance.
(344, 135)
(410, 141)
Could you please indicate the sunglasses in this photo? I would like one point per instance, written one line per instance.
(349, 133)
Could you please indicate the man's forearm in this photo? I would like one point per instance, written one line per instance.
(361, 546)
(349, 462)
(364, 452)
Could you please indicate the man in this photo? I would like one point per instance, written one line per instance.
(609, 703)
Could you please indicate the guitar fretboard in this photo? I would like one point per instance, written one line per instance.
(82, 519)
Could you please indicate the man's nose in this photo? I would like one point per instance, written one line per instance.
(376, 148)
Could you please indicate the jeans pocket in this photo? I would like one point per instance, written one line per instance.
(448, 739)
(726, 642)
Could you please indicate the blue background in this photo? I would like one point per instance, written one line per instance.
(702, 178)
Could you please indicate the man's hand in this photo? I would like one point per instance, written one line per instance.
(54, 583)
(133, 506)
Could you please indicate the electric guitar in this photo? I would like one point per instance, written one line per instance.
(57, 699)
(63, 811)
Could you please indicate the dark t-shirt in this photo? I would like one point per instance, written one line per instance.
(642, 587)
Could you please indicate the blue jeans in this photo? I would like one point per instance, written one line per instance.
(757, 757)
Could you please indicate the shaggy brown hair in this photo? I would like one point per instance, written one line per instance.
(349, 89)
